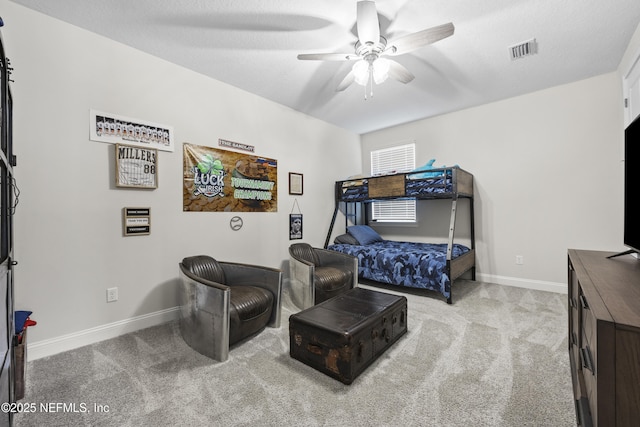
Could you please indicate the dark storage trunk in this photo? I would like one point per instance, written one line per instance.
(341, 337)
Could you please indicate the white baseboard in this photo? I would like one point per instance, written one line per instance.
(538, 285)
(52, 346)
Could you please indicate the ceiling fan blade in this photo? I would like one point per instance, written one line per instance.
(367, 22)
(346, 82)
(417, 40)
(399, 72)
(328, 56)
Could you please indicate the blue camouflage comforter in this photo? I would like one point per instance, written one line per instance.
(416, 265)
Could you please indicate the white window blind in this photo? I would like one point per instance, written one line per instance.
(397, 159)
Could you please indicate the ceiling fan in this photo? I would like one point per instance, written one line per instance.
(372, 50)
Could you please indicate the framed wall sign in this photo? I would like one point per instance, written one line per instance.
(114, 128)
(136, 167)
(295, 183)
(295, 226)
(136, 221)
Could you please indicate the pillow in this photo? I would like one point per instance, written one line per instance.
(364, 234)
(346, 239)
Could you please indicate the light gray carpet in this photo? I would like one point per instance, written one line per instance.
(496, 357)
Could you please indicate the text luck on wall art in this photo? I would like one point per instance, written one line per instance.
(226, 181)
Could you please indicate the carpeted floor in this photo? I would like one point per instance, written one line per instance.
(496, 357)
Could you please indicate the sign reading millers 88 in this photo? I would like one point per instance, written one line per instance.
(136, 167)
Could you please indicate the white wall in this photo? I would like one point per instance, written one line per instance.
(68, 224)
(548, 176)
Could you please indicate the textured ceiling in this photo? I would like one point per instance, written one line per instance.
(253, 45)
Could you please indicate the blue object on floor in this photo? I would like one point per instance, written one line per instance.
(20, 318)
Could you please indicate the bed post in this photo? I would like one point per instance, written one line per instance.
(473, 236)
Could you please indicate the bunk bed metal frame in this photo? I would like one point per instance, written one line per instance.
(451, 183)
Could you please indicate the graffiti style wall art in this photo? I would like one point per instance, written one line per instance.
(226, 181)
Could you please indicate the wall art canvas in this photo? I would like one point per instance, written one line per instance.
(227, 181)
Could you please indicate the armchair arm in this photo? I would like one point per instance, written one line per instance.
(190, 276)
(301, 281)
(329, 258)
(260, 276)
(204, 315)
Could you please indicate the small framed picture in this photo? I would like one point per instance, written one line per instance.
(295, 226)
(295, 183)
(136, 167)
(136, 221)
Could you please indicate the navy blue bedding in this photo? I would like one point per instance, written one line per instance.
(415, 186)
(416, 265)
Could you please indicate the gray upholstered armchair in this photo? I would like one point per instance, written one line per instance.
(319, 274)
(223, 303)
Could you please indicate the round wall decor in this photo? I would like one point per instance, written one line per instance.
(235, 223)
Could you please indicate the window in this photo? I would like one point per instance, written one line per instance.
(397, 159)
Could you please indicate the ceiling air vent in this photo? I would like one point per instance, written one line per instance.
(523, 49)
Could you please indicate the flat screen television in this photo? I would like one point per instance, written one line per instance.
(631, 187)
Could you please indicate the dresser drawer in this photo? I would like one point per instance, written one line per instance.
(588, 336)
(575, 334)
(588, 321)
(590, 378)
(588, 351)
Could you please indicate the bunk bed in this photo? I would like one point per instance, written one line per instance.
(432, 266)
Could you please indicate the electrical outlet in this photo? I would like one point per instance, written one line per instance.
(112, 294)
(519, 259)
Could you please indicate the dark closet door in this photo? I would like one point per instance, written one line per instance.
(7, 205)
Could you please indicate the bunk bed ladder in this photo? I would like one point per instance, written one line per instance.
(333, 221)
(452, 227)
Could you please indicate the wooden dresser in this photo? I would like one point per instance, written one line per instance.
(604, 338)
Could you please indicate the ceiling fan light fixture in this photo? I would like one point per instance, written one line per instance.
(380, 70)
(361, 72)
(366, 69)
